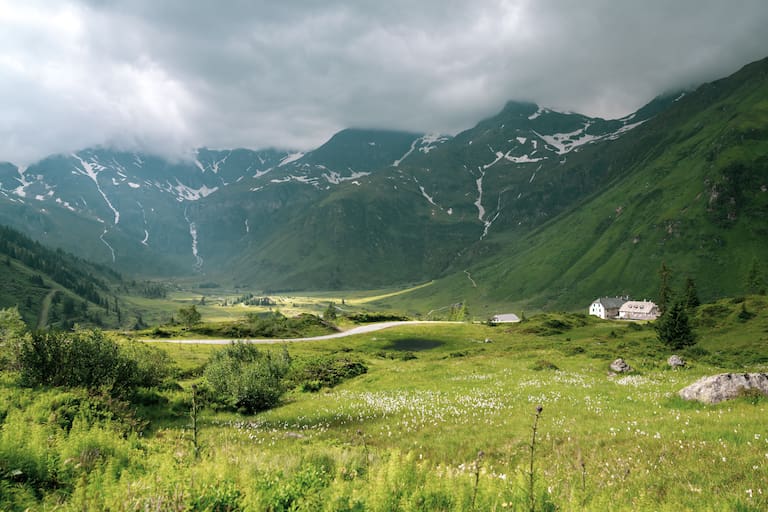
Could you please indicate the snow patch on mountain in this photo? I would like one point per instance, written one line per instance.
(22, 179)
(426, 196)
(65, 204)
(536, 114)
(218, 163)
(187, 193)
(618, 133)
(431, 141)
(499, 156)
(524, 159)
(290, 158)
(567, 142)
(425, 144)
(336, 178)
(92, 169)
(104, 241)
(479, 204)
(397, 162)
(193, 234)
(145, 240)
(260, 173)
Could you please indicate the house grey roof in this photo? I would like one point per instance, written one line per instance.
(640, 306)
(612, 302)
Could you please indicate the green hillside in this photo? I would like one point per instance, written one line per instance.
(688, 188)
(52, 288)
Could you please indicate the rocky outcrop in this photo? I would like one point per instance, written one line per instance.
(620, 366)
(725, 386)
(676, 362)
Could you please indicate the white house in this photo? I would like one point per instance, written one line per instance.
(607, 307)
(507, 318)
(639, 310)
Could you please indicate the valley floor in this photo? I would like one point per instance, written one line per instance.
(443, 419)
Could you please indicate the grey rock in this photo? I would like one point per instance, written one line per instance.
(620, 366)
(676, 361)
(725, 386)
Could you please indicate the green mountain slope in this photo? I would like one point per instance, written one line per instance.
(52, 288)
(688, 188)
(428, 211)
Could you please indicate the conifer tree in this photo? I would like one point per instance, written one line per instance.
(189, 316)
(755, 281)
(665, 292)
(330, 312)
(691, 296)
(673, 328)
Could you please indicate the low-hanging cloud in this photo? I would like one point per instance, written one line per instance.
(169, 76)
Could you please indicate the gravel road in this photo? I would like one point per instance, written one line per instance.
(351, 332)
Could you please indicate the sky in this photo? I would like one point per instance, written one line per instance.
(168, 76)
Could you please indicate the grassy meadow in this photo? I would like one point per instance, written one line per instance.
(442, 420)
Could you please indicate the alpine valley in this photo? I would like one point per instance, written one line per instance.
(533, 207)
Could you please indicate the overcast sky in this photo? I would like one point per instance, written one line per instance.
(169, 75)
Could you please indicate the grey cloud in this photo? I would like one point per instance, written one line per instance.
(168, 76)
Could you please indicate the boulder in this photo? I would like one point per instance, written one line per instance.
(725, 386)
(676, 361)
(620, 366)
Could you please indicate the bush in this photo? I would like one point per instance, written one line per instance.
(85, 359)
(244, 378)
(153, 365)
(219, 497)
(369, 317)
(543, 364)
(12, 332)
(326, 371)
(89, 359)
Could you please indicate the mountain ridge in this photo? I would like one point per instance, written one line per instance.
(378, 207)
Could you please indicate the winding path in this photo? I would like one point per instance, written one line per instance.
(343, 334)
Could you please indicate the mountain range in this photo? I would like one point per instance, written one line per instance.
(532, 207)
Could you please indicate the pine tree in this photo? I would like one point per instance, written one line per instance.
(330, 312)
(755, 281)
(673, 328)
(665, 292)
(691, 296)
(189, 316)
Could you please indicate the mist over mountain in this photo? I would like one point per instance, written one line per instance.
(538, 204)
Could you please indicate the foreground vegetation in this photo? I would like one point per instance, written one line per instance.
(436, 417)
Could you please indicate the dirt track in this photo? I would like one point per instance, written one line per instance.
(351, 332)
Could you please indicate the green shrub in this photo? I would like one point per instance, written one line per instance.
(300, 491)
(325, 371)
(365, 317)
(543, 364)
(219, 497)
(12, 332)
(90, 359)
(85, 359)
(153, 365)
(244, 378)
